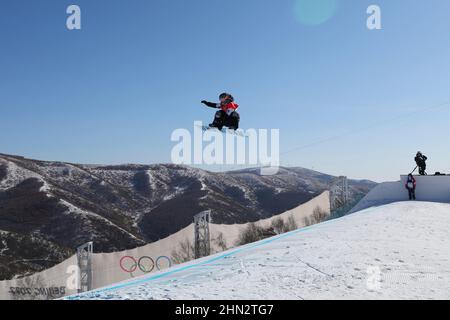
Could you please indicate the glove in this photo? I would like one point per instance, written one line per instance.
(204, 101)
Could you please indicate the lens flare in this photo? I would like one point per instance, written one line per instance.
(314, 12)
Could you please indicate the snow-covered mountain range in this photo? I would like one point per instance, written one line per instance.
(47, 209)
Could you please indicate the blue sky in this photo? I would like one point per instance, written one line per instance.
(114, 91)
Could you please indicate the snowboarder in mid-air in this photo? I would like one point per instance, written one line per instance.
(227, 115)
(410, 185)
(421, 163)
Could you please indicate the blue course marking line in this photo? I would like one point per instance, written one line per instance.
(220, 257)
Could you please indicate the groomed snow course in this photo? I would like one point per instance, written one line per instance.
(395, 251)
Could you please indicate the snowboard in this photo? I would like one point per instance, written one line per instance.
(238, 132)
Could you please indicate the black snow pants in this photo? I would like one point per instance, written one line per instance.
(412, 194)
(221, 119)
(422, 169)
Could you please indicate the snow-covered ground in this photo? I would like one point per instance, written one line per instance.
(397, 251)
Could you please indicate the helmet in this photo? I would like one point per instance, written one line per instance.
(419, 153)
(227, 96)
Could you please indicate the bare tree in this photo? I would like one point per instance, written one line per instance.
(291, 224)
(184, 253)
(253, 233)
(280, 226)
(317, 216)
(221, 242)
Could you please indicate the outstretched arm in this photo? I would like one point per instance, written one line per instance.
(210, 104)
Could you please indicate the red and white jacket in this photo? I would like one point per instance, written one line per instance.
(410, 184)
(228, 108)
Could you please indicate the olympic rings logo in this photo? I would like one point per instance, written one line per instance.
(145, 264)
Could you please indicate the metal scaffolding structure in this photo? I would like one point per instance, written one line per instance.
(202, 246)
(339, 194)
(84, 258)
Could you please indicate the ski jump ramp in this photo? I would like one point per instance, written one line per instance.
(429, 188)
(396, 251)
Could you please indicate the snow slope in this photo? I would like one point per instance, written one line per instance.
(397, 251)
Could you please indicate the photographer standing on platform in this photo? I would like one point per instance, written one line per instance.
(421, 163)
